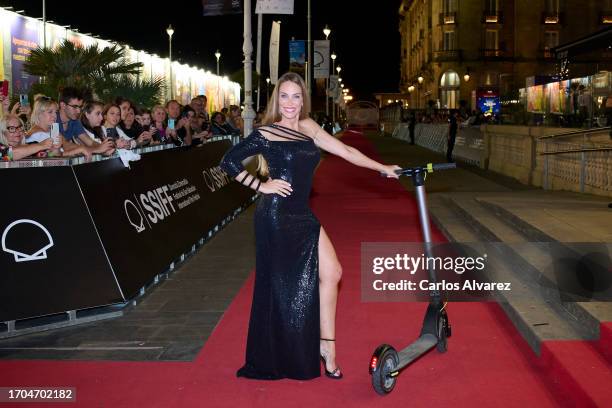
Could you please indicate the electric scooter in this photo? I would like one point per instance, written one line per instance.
(386, 363)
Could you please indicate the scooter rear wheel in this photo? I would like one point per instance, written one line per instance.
(382, 382)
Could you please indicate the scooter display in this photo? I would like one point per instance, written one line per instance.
(386, 363)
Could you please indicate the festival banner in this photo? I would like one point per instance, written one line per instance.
(221, 7)
(297, 56)
(24, 39)
(321, 59)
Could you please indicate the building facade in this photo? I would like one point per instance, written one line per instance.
(455, 50)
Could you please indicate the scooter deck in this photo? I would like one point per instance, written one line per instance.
(416, 349)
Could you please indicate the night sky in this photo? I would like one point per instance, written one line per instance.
(365, 38)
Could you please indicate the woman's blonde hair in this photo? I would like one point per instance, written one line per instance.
(41, 104)
(272, 113)
(4, 126)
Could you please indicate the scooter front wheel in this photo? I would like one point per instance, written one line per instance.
(382, 380)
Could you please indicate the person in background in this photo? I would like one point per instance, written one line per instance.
(91, 119)
(12, 135)
(71, 128)
(158, 125)
(235, 120)
(181, 131)
(44, 114)
(124, 104)
(219, 127)
(204, 110)
(111, 130)
(133, 129)
(452, 134)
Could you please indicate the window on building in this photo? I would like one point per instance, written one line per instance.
(492, 40)
(491, 7)
(449, 41)
(449, 90)
(551, 39)
(449, 6)
(552, 6)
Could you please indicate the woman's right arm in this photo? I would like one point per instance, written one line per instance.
(232, 165)
(21, 151)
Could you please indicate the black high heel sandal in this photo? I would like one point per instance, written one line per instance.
(336, 373)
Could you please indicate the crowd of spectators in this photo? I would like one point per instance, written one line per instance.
(77, 125)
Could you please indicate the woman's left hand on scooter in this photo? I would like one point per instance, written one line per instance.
(389, 171)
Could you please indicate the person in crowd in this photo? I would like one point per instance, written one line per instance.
(180, 132)
(203, 112)
(235, 120)
(111, 129)
(124, 104)
(293, 311)
(5, 103)
(158, 125)
(44, 115)
(71, 128)
(91, 119)
(259, 117)
(225, 111)
(12, 138)
(133, 129)
(143, 117)
(199, 131)
(411, 127)
(219, 127)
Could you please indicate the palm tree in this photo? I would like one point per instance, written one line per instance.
(86, 67)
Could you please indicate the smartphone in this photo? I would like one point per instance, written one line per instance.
(112, 133)
(23, 100)
(55, 132)
(5, 88)
(170, 123)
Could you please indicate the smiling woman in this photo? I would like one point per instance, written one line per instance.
(292, 322)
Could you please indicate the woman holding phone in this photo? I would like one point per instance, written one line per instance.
(110, 128)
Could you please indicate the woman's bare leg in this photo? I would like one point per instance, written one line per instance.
(330, 272)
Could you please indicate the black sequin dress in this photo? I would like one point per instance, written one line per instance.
(283, 339)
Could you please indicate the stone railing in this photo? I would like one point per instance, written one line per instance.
(522, 153)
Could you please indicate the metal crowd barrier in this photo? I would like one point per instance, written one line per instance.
(71, 161)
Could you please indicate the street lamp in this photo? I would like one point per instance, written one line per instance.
(267, 91)
(420, 79)
(170, 32)
(218, 55)
(327, 32)
(466, 77)
(338, 69)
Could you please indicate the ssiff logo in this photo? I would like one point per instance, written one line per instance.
(23, 257)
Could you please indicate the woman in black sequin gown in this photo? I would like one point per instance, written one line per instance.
(297, 272)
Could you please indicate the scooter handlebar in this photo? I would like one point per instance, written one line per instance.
(429, 168)
(444, 166)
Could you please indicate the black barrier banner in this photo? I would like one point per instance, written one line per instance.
(150, 214)
(52, 259)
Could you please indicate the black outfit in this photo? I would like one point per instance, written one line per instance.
(452, 134)
(283, 339)
(133, 132)
(222, 130)
(411, 126)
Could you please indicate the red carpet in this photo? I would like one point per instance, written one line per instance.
(487, 364)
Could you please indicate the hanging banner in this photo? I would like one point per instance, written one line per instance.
(321, 59)
(334, 87)
(297, 56)
(274, 7)
(274, 43)
(221, 7)
(24, 39)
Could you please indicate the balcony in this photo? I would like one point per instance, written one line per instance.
(492, 17)
(552, 17)
(495, 54)
(447, 55)
(605, 17)
(448, 18)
